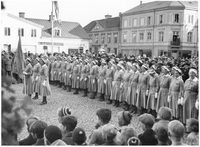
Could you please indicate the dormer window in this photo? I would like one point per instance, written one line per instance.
(57, 32)
(96, 27)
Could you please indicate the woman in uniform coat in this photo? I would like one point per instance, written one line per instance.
(115, 93)
(28, 85)
(125, 85)
(84, 77)
(108, 81)
(164, 84)
(69, 70)
(36, 77)
(133, 82)
(153, 92)
(92, 84)
(76, 76)
(142, 89)
(44, 88)
(190, 96)
(101, 78)
(175, 92)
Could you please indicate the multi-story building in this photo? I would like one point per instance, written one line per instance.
(104, 32)
(36, 35)
(160, 27)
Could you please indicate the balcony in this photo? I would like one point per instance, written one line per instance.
(176, 43)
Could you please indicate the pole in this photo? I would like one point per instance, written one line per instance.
(52, 29)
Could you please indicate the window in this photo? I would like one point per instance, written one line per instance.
(90, 38)
(189, 37)
(124, 37)
(161, 19)
(149, 36)
(115, 37)
(134, 37)
(176, 18)
(7, 31)
(115, 50)
(141, 36)
(20, 32)
(149, 20)
(109, 38)
(108, 50)
(161, 36)
(57, 32)
(190, 19)
(96, 38)
(141, 21)
(125, 23)
(102, 38)
(33, 32)
(135, 22)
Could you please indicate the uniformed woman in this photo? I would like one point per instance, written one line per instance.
(44, 88)
(190, 96)
(28, 85)
(36, 77)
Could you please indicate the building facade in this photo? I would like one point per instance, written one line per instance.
(104, 32)
(36, 35)
(160, 27)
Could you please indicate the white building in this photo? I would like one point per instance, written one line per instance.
(11, 26)
(36, 35)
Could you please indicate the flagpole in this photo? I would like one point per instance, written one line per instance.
(52, 29)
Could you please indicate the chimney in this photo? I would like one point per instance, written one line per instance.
(140, 2)
(50, 18)
(22, 14)
(108, 16)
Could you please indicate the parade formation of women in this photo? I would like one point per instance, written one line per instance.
(138, 84)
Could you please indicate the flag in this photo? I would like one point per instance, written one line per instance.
(57, 11)
(19, 60)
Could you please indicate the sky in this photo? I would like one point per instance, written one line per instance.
(81, 11)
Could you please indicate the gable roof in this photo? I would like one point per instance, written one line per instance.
(162, 4)
(68, 29)
(24, 20)
(105, 23)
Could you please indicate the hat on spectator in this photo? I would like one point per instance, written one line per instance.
(28, 59)
(147, 119)
(152, 71)
(136, 65)
(133, 141)
(125, 116)
(120, 65)
(58, 142)
(64, 111)
(38, 59)
(79, 136)
(145, 66)
(52, 133)
(193, 70)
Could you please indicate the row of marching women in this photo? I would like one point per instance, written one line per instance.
(36, 78)
(138, 86)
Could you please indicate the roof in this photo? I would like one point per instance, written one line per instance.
(24, 20)
(105, 23)
(162, 4)
(68, 29)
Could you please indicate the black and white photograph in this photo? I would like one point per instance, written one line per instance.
(99, 73)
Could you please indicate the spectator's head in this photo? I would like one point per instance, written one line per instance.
(37, 129)
(79, 136)
(104, 116)
(126, 133)
(162, 135)
(52, 134)
(30, 121)
(69, 123)
(124, 118)
(176, 130)
(109, 132)
(63, 111)
(133, 141)
(147, 120)
(164, 113)
(148, 137)
(192, 125)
